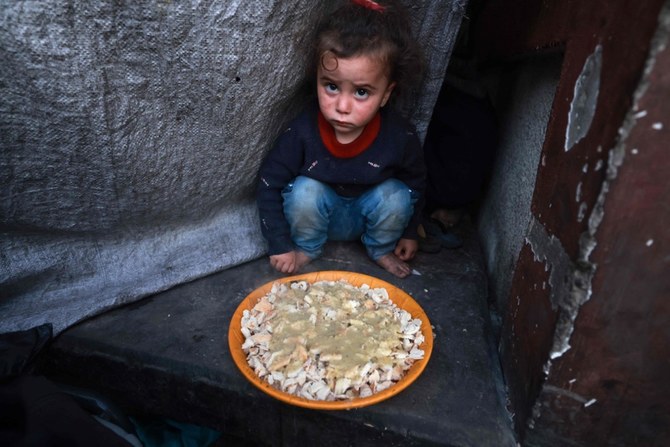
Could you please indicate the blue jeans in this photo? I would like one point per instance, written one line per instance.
(317, 214)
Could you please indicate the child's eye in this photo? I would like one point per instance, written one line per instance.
(362, 93)
(331, 88)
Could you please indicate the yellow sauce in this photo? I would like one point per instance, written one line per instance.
(339, 325)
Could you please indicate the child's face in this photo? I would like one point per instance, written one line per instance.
(351, 93)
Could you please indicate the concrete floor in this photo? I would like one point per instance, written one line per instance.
(167, 355)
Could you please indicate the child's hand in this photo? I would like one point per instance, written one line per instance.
(284, 262)
(405, 249)
(289, 262)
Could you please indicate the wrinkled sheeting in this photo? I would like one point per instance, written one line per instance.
(131, 136)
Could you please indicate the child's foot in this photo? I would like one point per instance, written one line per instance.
(392, 264)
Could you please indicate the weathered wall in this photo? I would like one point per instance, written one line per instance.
(523, 93)
(130, 138)
(585, 331)
(613, 378)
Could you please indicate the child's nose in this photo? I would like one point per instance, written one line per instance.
(343, 104)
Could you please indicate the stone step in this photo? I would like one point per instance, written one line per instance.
(167, 355)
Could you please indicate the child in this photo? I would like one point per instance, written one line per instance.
(347, 167)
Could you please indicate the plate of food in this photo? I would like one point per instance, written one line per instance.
(330, 340)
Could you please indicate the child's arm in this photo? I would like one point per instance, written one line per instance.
(280, 166)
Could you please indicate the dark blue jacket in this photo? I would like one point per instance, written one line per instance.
(395, 153)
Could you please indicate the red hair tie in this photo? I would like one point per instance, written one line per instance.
(369, 4)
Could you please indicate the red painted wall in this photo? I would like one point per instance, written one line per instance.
(620, 355)
(619, 339)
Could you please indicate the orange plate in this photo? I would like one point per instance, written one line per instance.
(400, 298)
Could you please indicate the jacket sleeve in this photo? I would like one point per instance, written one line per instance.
(279, 168)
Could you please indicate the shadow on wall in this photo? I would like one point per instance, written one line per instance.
(523, 94)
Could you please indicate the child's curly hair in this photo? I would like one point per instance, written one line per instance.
(384, 32)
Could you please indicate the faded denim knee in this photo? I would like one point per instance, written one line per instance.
(388, 208)
(307, 205)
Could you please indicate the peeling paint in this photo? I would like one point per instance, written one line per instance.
(590, 402)
(567, 393)
(599, 165)
(578, 193)
(581, 213)
(549, 250)
(584, 99)
(583, 270)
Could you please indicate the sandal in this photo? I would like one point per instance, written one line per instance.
(428, 243)
(437, 230)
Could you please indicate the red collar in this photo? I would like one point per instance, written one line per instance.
(349, 150)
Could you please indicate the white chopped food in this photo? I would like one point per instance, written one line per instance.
(330, 340)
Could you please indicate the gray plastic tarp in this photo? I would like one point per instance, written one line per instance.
(131, 134)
